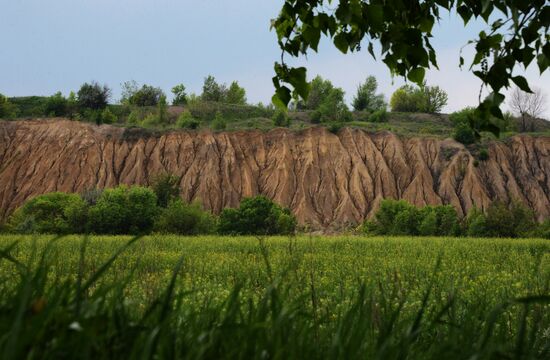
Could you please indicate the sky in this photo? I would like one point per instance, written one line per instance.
(56, 45)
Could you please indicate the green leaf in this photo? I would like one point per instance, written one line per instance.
(341, 42)
(282, 97)
(297, 78)
(521, 82)
(543, 63)
(417, 75)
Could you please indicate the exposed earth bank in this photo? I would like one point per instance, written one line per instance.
(327, 180)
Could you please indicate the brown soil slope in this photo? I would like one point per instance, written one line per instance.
(327, 180)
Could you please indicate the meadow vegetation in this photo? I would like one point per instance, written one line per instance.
(244, 297)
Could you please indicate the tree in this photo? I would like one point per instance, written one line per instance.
(281, 119)
(432, 99)
(147, 95)
(93, 96)
(185, 219)
(129, 88)
(180, 96)
(518, 34)
(257, 216)
(166, 187)
(212, 91)
(404, 99)
(56, 105)
(7, 109)
(426, 99)
(320, 91)
(527, 105)
(235, 94)
(53, 213)
(366, 98)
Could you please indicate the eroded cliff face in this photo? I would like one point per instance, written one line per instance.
(327, 180)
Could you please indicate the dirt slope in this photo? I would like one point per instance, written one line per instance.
(327, 180)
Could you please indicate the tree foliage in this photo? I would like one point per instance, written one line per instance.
(180, 96)
(426, 99)
(7, 109)
(367, 99)
(517, 33)
(257, 216)
(235, 94)
(212, 90)
(147, 95)
(93, 96)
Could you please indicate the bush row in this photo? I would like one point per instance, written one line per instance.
(398, 217)
(142, 210)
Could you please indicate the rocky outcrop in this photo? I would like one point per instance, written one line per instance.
(327, 180)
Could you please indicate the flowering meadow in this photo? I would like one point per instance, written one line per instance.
(274, 297)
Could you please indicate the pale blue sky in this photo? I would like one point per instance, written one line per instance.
(56, 45)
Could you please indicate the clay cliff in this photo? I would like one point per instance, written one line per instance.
(327, 180)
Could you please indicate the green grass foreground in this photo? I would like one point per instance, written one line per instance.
(343, 297)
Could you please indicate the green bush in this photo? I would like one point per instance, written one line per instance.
(187, 121)
(502, 220)
(166, 188)
(7, 108)
(93, 96)
(185, 219)
(219, 122)
(464, 134)
(146, 96)
(53, 213)
(366, 98)
(56, 105)
(379, 116)
(483, 155)
(398, 217)
(476, 224)
(124, 210)
(257, 216)
(107, 117)
(335, 127)
(281, 119)
(543, 230)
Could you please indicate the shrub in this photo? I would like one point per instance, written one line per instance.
(166, 188)
(187, 121)
(380, 116)
(440, 220)
(483, 155)
(543, 230)
(501, 220)
(219, 122)
(405, 99)
(180, 97)
(464, 134)
(366, 98)
(427, 99)
(257, 216)
(53, 213)
(185, 219)
(107, 117)
(56, 105)
(476, 224)
(7, 109)
(124, 210)
(93, 96)
(235, 94)
(335, 127)
(398, 217)
(147, 95)
(281, 119)
(212, 91)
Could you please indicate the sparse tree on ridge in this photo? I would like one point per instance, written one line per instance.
(235, 94)
(180, 96)
(527, 105)
(366, 98)
(212, 91)
(93, 96)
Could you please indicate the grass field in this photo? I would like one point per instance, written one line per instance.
(324, 297)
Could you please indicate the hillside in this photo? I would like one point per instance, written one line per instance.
(327, 180)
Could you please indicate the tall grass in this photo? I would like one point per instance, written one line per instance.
(284, 313)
